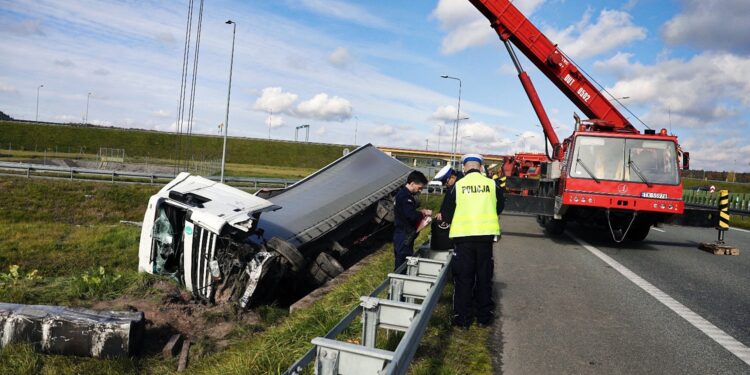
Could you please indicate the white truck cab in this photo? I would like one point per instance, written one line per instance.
(196, 230)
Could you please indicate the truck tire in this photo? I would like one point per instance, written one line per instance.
(329, 265)
(638, 232)
(554, 227)
(317, 275)
(288, 251)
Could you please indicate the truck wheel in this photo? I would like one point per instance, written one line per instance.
(638, 232)
(317, 275)
(554, 227)
(288, 251)
(329, 265)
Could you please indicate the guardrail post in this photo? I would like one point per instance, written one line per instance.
(369, 321)
(328, 362)
(412, 268)
(396, 290)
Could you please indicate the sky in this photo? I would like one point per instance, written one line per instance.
(372, 69)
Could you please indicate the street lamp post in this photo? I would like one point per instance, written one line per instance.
(37, 102)
(458, 113)
(229, 94)
(86, 119)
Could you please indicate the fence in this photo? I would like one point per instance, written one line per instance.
(739, 203)
(100, 175)
(424, 280)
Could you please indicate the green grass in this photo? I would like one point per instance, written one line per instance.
(732, 187)
(66, 231)
(160, 145)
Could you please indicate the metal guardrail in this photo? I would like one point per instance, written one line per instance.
(739, 203)
(424, 280)
(142, 177)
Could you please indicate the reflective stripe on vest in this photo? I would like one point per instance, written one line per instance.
(476, 212)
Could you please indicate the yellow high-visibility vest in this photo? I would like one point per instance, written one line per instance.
(476, 202)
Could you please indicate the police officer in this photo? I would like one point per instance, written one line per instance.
(447, 176)
(407, 217)
(472, 207)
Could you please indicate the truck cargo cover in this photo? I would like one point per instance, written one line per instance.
(324, 200)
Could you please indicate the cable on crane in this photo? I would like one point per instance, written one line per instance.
(602, 88)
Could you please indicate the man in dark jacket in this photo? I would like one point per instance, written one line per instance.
(407, 217)
(472, 208)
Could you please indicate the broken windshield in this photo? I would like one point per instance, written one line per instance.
(621, 159)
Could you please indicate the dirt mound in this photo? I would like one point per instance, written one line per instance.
(172, 311)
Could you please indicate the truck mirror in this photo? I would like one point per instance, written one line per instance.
(686, 161)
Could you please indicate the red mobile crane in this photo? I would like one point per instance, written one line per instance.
(606, 171)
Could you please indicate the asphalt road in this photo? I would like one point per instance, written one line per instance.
(563, 310)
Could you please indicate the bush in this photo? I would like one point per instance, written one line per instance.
(99, 285)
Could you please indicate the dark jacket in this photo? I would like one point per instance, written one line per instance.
(448, 208)
(407, 215)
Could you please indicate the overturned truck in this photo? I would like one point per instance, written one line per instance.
(226, 245)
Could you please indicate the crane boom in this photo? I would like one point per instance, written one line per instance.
(511, 25)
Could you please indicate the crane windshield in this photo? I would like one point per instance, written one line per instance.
(625, 159)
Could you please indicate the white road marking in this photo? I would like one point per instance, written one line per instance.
(722, 338)
(740, 230)
(659, 230)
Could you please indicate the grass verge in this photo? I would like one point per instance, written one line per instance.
(18, 135)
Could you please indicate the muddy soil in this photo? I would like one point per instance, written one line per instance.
(172, 311)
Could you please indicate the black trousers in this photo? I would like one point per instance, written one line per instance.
(403, 246)
(472, 272)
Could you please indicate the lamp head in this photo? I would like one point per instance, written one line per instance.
(229, 22)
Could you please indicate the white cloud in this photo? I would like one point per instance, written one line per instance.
(23, 28)
(345, 11)
(274, 99)
(446, 113)
(275, 121)
(320, 130)
(101, 72)
(383, 130)
(668, 88)
(165, 37)
(161, 113)
(613, 29)
(711, 24)
(323, 107)
(7, 89)
(339, 57)
(64, 63)
(466, 27)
